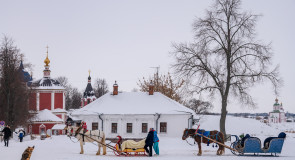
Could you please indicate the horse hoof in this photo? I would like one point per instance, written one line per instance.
(199, 154)
(97, 153)
(81, 152)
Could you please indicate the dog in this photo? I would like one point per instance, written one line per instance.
(27, 153)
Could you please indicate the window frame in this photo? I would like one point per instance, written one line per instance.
(93, 125)
(163, 129)
(129, 128)
(113, 129)
(146, 128)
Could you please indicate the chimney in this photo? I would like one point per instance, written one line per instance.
(151, 88)
(115, 88)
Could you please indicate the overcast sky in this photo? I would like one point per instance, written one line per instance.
(122, 40)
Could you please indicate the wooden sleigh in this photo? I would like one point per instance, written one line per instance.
(252, 145)
(127, 151)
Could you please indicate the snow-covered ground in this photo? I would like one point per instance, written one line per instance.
(61, 148)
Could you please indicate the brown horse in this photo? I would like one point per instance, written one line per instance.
(213, 135)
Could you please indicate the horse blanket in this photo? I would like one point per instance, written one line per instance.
(203, 132)
(133, 144)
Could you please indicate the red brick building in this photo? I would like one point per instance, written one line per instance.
(49, 96)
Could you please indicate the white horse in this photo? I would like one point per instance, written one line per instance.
(89, 136)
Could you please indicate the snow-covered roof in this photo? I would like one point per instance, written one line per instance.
(46, 116)
(133, 103)
(58, 127)
(59, 110)
(47, 83)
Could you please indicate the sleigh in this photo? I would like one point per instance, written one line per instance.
(252, 145)
(121, 150)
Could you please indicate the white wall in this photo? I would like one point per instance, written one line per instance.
(175, 124)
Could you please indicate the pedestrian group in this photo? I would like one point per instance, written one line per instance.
(152, 141)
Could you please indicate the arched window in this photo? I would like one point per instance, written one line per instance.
(42, 129)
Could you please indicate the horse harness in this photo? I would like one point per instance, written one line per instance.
(90, 135)
(202, 133)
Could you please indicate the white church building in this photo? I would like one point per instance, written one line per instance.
(278, 114)
(131, 114)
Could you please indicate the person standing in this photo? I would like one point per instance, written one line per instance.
(156, 142)
(149, 141)
(7, 134)
(21, 135)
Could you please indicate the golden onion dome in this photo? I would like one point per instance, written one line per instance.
(47, 61)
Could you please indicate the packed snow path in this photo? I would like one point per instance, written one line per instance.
(61, 148)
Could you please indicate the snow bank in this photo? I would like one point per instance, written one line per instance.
(240, 125)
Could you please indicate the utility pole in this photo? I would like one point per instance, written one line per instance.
(157, 76)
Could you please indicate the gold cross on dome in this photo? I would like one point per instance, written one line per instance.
(89, 72)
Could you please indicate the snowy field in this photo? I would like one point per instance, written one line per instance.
(61, 148)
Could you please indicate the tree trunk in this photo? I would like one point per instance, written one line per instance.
(223, 116)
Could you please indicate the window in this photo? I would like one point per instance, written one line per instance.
(144, 127)
(163, 127)
(114, 127)
(94, 126)
(129, 127)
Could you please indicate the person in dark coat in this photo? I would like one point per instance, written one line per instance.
(21, 135)
(149, 141)
(7, 134)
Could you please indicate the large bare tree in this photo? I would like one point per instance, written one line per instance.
(225, 57)
(14, 93)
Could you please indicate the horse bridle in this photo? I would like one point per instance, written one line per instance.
(77, 131)
(186, 135)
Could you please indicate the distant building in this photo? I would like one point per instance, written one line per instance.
(278, 113)
(88, 95)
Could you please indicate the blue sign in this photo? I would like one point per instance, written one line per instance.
(2, 123)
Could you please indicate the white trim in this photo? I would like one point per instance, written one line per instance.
(46, 122)
(63, 100)
(52, 101)
(38, 101)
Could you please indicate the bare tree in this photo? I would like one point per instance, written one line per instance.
(164, 84)
(14, 93)
(100, 87)
(68, 88)
(200, 107)
(73, 96)
(225, 57)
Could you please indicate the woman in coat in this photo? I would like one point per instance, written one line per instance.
(156, 142)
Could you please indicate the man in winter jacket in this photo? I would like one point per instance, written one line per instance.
(7, 134)
(149, 142)
(156, 142)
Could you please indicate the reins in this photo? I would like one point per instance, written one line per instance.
(72, 140)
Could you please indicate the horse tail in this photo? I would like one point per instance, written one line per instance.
(222, 140)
